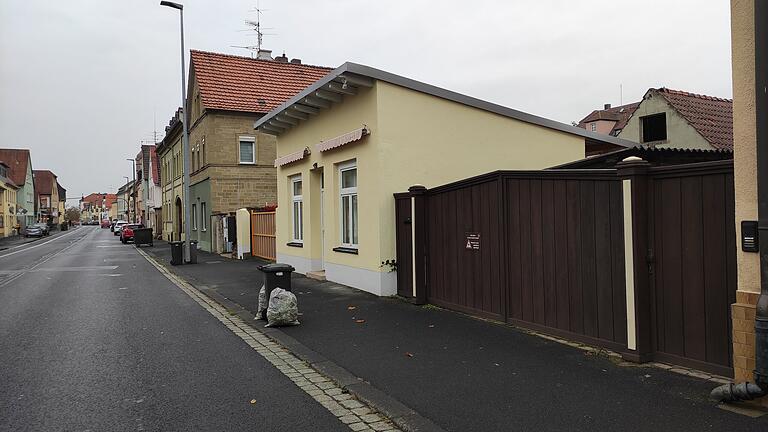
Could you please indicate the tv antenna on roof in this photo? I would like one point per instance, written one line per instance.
(255, 26)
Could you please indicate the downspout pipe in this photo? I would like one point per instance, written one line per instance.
(749, 391)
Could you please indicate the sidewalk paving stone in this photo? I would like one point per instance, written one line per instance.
(468, 374)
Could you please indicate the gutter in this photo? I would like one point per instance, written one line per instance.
(750, 391)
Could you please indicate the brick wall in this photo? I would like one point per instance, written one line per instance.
(743, 316)
(234, 185)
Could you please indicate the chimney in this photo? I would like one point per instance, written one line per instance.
(607, 106)
(281, 59)
(264, 55)
(296, 61)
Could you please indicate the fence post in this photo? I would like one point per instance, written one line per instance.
(635, 189)
(419, 243)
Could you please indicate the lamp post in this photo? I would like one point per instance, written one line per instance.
(185, 130)
(133, 187)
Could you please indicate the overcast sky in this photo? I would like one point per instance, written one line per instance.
(82, 83)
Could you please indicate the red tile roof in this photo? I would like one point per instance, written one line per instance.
(235, 83)
(44, 181)
(17, 161)
(711, 116)
(95, 199)
(619, 114)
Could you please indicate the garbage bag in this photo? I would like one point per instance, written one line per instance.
(262, 302)
(283, 309)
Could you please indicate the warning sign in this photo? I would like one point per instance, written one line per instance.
(473, 241)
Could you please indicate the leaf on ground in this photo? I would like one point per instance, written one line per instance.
(351, 307)
(253, 401)
(360, 321)
(408, 354)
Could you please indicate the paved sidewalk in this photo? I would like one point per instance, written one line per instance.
(466, 374)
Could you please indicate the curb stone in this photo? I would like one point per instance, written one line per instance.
(293, 358)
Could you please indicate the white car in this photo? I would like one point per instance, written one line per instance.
(119, 226)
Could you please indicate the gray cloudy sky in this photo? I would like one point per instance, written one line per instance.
(83, 81)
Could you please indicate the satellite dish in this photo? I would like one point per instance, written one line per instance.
(23, 211)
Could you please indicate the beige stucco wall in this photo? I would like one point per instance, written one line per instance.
(680, 134)
(415, 139)
(744, 150)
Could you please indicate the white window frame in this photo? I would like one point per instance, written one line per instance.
(194, 217)
(203, 219)
(594, 127)
(297, 199)
(251, 139)
(344, 192)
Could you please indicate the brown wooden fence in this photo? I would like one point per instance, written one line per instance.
(546, 250)
(263, 235)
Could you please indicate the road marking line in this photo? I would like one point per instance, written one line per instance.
(67, 269)
(52, 256)
(357, 415)
(36, 245)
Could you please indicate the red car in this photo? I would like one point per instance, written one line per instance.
(106, 223)
(126, 234)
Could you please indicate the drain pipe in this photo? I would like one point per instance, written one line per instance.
(749, 391)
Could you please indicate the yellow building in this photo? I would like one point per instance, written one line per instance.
(169, 151)
(358, 135)
(747, 108)
(7, 203)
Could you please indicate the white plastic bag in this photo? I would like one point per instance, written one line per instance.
(262, 302)
(283, 309)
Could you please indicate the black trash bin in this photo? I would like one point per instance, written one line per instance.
(177, 253)
(142, 236)
(276, 276)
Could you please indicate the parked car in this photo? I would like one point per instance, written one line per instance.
(126, 233)
(118, 226)
(106, 223)
(43, 226)
(33, 231)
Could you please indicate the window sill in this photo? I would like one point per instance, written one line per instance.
(347, 250)
(295, 244)
(246, 163)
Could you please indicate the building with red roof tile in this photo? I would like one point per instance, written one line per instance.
(19, 163)
(46, 196)
(231, 165)
(667, 118)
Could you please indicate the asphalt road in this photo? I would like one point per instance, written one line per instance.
(94, 338)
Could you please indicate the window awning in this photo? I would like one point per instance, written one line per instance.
(339, 141)
(292, 157)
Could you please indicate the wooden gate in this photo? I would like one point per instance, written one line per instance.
(693, 265)
(263, 235)
(546, 250)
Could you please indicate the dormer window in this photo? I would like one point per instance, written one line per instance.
(653, 128)
(594, 127)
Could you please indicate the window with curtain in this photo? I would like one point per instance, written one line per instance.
(247, 150)
(203, 217)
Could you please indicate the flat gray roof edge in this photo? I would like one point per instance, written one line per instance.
(442, 93)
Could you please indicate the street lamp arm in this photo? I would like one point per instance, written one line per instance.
(172, 4)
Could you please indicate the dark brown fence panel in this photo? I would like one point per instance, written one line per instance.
(404, 245)
(694, 267)
(461, 276)
(565, 243)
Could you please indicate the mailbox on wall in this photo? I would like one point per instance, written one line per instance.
(749, 239)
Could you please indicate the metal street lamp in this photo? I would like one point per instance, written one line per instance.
(185, 133)
(133, 187)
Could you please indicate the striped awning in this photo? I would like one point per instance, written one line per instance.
(292, 157)
(339, 141)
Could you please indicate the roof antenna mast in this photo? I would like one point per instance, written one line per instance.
(255, 26)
